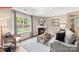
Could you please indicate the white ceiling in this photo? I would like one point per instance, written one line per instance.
(46, 11)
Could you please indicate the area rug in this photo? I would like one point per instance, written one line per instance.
(32, 45)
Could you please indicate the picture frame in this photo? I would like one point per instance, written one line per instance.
(41, 21)
(55, 22)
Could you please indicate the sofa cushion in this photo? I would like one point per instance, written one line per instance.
(70, 37)
(60, 36)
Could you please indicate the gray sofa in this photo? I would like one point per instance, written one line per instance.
(67, 46)
(58, 46)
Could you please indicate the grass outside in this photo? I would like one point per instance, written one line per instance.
(22, 30)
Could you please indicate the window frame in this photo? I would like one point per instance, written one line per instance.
(24, 16)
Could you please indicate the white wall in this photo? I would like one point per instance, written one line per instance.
(6, 14)
(35, 24)
(48, 23)
(54, 29)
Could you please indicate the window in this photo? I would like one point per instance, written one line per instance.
(23, 24)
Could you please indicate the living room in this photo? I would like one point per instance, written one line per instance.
(27, 24)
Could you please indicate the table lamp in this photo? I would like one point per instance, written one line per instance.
(3, 23)
(62, 25)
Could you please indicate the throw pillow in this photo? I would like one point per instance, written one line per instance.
(70, 37)
(60, 36)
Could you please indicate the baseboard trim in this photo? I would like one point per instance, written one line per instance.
(28, 38)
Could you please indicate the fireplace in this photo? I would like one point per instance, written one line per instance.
(41, 29)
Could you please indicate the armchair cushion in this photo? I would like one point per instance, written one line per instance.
(8, 38)
(8, 34)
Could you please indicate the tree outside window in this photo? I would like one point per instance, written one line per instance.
(23, 24)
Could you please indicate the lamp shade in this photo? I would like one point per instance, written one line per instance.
(62, 25)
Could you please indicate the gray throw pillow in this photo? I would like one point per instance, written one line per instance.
(70, 37)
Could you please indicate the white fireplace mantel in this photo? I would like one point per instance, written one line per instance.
(41, 27)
